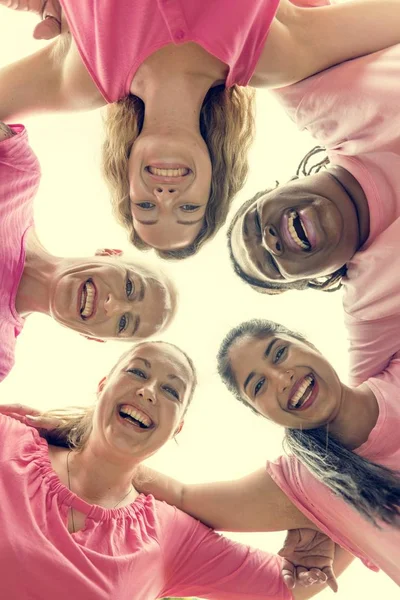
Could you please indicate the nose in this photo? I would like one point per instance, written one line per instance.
(165, 192)
(148, 393)
(285, 380)
(115, 306)
(272, 241)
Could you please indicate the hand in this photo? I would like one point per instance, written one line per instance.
(48, 10)
(308, 559)
(26, 414)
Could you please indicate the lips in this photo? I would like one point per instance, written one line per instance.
(303, 393)
(133, 416)
(298, 231)
(87, 300)
(168, 173)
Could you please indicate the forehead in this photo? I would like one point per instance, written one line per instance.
(244, 245)
(162, 356)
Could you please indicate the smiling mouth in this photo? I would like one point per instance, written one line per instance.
(297, 231)
(170, 173)
(135, 416)
(88, 300)
(303, 393)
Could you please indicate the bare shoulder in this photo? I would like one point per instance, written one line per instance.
(5, 131)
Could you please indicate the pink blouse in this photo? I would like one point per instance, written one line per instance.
(146, 550)
(115, 38)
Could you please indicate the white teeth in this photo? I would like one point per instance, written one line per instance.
(87, 299)
(168, 172)
(302, 393)
(136, 414)
(293, 234)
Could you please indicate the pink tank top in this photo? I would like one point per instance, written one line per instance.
(115, 38)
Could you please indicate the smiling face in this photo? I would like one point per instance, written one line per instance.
(286, 381)
(109, 298)
(170, 180)
(143, 401)
(305, 229)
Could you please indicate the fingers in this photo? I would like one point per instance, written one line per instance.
(308, 577)
(331, 579)
(288, 574)
(42, 422)
(18, 409)
(47, 29)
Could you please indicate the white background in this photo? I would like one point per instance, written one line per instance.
(55, 367)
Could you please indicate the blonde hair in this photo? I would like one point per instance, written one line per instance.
(227, 127)
(72, 426)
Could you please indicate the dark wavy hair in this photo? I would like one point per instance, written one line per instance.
(371, 489)
(326, 283)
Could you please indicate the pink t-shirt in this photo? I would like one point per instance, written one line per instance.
(146, 550)
(372, 305)
(352, 110)
(377, 548)
(19, 181)
(115, 38)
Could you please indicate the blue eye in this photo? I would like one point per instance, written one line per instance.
(280, 353)
(189, 207)
(171, 391)
(129, 287)
(123, 322)
(137, 372)
(259, 386)
(145, 205)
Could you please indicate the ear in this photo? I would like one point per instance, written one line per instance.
(101, 385)
(93, 339)
(179, 428)
(108, 252)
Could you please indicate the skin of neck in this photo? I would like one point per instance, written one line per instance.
(99, 476)
(356, 195)
(355, 417)
(33, 293)
(173, 83)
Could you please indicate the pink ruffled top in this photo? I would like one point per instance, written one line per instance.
(146, 550)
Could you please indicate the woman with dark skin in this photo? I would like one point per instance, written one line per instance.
(305, 233)
(174, 168)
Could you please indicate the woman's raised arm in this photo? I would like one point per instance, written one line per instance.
(252, 503)
(304, 41)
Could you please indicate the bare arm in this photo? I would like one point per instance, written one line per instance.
(253, 503)
(51, 80)
(304, 41)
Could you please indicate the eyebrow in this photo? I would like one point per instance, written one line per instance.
(179, 222)
(178, 378)
(266, 355)
(142, 291)
(135, 325)
(146, 362)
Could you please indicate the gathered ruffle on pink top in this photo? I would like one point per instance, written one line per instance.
(146, 550)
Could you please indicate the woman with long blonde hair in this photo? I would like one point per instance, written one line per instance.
(182, 121)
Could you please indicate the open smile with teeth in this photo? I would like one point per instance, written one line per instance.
(135, 416)
(88, 297)
(181, 172)
(297, 231)
(302, 393)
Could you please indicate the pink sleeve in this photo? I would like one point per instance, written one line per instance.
(200, 562)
